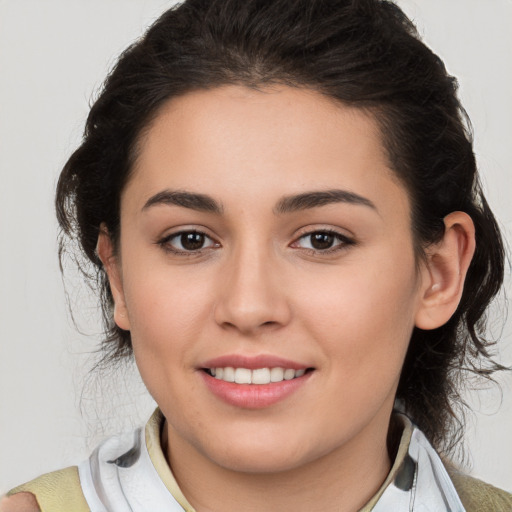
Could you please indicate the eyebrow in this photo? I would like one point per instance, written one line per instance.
(287, 204)
(309, 200)
(192, 200)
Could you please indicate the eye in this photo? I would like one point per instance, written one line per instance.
(187, 242)
(323, 241)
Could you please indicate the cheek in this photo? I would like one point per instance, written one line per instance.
(363, 314)
(167, 316)
(168, 310)
(164, 298)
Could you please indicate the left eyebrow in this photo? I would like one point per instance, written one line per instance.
(307, 200)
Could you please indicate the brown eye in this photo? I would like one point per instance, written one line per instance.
(322, 241)
(187, 241)
(192, 241)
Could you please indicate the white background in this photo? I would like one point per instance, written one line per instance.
(53, 55)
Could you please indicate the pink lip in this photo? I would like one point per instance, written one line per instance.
(252, 362)
(253, 396)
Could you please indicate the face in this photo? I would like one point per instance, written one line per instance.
(264, 239)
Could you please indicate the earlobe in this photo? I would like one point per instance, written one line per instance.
(444, 272)
(106, 253)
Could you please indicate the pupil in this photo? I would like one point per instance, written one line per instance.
(192, 241)
(322, 240)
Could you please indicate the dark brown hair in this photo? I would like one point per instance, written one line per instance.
(364, 53)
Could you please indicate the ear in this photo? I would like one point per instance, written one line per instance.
(444, 272)
(111, 263)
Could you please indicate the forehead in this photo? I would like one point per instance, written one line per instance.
(234, 141)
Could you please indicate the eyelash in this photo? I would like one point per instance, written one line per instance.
(165, 243)
(343, 240)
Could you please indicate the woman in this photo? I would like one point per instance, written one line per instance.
(282, 205)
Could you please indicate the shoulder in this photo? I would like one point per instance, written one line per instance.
(59, 491)
(479, 496)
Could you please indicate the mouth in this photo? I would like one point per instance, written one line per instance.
(254, 382)
(257, 376)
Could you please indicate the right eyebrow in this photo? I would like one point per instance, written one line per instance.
(192, 200)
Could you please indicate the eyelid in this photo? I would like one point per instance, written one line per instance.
(344, 239)
(164, 240)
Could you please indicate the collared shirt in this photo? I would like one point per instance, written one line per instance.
(130, 474)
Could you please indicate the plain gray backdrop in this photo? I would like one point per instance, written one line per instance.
(53, 55)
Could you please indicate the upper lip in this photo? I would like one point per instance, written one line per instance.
(253, 362)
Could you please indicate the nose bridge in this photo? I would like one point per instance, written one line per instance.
(251, 294)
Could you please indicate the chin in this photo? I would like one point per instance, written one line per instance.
(250, 462)
(262, 455)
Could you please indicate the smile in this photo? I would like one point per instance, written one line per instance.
(259, 376)
(254, 388)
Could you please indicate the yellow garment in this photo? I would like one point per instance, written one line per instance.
(60, 491)
(478, 496)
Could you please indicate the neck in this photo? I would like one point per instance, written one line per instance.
(344, 479)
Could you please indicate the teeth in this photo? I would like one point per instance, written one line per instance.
(243, 376)
(289, 374)
(229, 374)
(258, 376)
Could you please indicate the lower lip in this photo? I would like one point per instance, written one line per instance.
(253, 396)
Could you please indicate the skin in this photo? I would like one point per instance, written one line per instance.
(257, 288)
(22, 502)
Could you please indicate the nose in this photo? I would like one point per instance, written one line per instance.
(252, 296)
